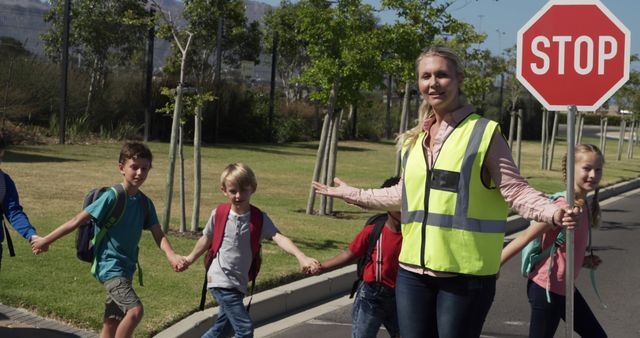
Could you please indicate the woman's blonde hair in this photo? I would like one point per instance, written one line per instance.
(596, 213)
(425, 112)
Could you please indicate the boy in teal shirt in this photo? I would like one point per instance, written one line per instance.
(117, 253)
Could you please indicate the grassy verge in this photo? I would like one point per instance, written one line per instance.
(53, 179)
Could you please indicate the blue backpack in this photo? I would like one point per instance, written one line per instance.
(87, 240)
(533, 253)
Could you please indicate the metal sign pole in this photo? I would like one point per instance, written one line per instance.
(569, 272)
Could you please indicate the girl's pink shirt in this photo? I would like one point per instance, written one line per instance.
(555, 279)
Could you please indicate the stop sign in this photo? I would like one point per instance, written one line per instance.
(573, 52)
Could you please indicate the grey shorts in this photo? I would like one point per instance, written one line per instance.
(120, 298)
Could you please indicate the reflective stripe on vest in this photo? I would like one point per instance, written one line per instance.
(451, 222)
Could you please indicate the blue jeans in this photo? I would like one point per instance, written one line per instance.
(446, 307)
(375, 304)
(545, 316)
(232, 315)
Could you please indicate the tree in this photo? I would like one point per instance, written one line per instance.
(105, 33)
(515, 90)
(628, 97)
(182, 39)
(481, 70)
(292, 55)
(342, 45)
(240, 39)
(419, 24)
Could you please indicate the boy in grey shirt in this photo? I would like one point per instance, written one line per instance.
(232, 236)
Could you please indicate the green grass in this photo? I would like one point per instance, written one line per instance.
(53, 179)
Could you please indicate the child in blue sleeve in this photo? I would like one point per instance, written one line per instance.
(10, 207)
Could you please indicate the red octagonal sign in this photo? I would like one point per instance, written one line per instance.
(573, 52)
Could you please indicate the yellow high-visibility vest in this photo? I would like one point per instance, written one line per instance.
(452, 222)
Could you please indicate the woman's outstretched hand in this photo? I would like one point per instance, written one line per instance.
(341, 190)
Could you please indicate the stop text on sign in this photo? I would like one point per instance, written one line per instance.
(573, 53)
(582, 59)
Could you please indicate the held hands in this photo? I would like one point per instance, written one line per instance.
(315, 270)
(38, 245)
(178, 263)
(308, 265)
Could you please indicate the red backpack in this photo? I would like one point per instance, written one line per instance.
(219, 225)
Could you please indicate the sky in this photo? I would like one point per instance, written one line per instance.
(501, 19)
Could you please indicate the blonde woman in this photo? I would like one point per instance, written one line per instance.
(459, 181)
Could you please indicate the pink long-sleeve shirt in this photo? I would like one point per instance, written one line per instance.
(498, 165)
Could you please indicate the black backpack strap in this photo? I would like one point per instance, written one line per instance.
(203, 294)
(378, 222)
(145, 209)
(118, 208)
(7, 236)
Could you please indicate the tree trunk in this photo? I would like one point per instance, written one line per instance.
(623, 126)
(554, 131)
(183, 213)
(630, 146)
(197, 168)
(512, 128)
(353, 118)
(601, 132)
(177, 111)
(331, 110)
(333, 157)
(92, 88)
(324, 173)
(175, 125)
(604, 136)
(580, 127)
(519, 138)
(404, 121)
(387, 116)
(318, 165)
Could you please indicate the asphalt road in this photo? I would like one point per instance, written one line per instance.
(617, 278)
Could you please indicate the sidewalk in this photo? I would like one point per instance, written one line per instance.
(19, 323)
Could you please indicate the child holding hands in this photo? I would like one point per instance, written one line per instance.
(117, 254)
(546, 282)
(235, 229)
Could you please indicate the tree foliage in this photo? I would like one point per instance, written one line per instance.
(343, 46)
(628, 97)
(104, 33)
(241, 40)
(292, 54)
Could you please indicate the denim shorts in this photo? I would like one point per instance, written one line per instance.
(120, 298)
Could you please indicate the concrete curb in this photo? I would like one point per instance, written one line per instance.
(279, 302)
(273, 304)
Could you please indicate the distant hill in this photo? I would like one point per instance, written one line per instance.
(23, 20)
